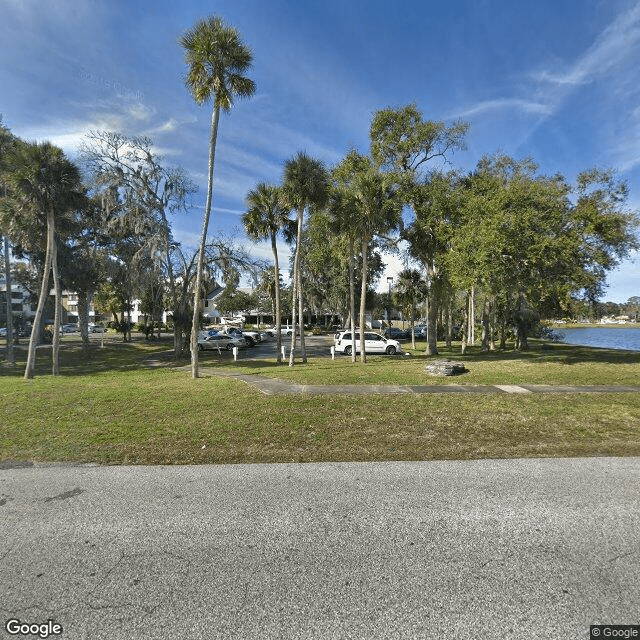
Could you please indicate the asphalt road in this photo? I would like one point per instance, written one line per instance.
(486, 549)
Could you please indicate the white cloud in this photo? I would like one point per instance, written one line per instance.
(624, 282)
(614, 44)
(610, 60)
(139, 111)
(527, 106)
(625, 150)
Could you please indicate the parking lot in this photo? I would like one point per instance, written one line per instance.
(316, 346)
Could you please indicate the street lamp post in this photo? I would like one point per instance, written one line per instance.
(389, 283)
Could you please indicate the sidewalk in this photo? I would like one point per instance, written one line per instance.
(273, 386)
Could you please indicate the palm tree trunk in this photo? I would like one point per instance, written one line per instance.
(432, 314)
(44, 290)
(303, 349)
(55, 346)
(352, 298)
(10, 355)
(197, 300)
(294, 292)
(276, 273)
(363, 298)
(296, 286)
(413, 327)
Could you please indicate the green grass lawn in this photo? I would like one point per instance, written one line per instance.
(108, 406)
(543, 364)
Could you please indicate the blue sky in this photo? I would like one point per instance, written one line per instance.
(557, 81)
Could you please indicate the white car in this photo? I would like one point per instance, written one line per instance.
(373, 343)
(95, 328)
(285, 330)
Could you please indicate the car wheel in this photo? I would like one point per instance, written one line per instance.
(347, 350)
(230, 346)
(200, 347)
(391, 350)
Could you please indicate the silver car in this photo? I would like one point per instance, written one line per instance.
(219, 341)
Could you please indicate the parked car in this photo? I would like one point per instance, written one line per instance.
(95, 328)
(3, 332)
(396, 333)
(68, 328)
(420, 330)
(218, 341)
(373, 343)
(251, 337)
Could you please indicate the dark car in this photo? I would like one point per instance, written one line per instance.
(397, 334)
(420, 330)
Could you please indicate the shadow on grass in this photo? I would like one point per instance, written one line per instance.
(74, 360)
(141, 354)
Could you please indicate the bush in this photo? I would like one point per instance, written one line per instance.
(545, 332)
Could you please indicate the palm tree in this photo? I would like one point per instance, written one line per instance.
(344, 214)
(378, 211)
(265, 218)
(217, 60)
(305, 185)
(45, 186)
(410, 289)
(7, 143)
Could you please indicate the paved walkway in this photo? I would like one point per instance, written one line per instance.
(273, 386)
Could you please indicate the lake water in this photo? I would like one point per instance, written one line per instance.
(620, 337)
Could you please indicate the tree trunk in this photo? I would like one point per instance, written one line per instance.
(44, 292)
(296, 283)
(492, 325)
(472, 316)
(486, 329)
(10, 355)
(449, 321)
(197, 300)
(303, 349)
(276, 273)
(352, 298)
(432, 325)
(294, 293)
(465, 327)
(55, 347)
(363, 299)
(83, 317)
(128, 333)
(413, 329)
